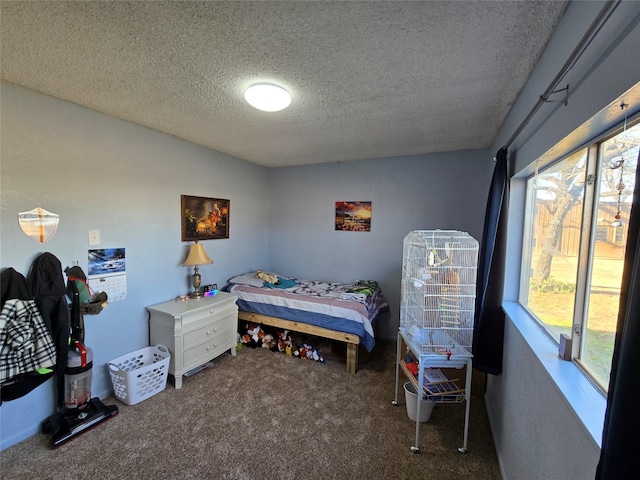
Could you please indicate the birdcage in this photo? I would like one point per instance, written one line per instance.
(438, 290)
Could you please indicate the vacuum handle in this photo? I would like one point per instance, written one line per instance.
(83, 352)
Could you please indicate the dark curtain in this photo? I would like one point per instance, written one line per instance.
(621, 433)
(488, 328)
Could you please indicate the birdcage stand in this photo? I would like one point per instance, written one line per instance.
(439, 392)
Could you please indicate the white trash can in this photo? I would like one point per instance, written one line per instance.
(411, 399)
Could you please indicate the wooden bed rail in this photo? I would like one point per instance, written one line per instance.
(351, 340)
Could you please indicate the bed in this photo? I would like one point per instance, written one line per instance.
(335, 311)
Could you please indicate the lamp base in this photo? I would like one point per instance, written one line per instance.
(196, 281)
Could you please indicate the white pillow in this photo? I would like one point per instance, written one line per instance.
(247, 279)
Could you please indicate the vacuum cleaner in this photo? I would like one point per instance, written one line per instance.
(77, 410)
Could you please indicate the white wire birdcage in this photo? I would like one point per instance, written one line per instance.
(438, 290)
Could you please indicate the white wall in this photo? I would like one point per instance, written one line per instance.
(445, 191)
(543, 430)
(99, 173)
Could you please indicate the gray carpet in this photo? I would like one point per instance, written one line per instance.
(263, 415)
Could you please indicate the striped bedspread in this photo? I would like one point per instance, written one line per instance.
(316, 303)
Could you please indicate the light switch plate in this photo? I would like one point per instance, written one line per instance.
(94, 237)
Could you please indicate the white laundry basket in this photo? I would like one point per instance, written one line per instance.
(411, 399)
(140, 374)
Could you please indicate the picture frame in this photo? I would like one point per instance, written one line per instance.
(204, 218)
(353, 216)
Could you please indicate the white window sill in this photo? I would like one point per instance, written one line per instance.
(586, 401)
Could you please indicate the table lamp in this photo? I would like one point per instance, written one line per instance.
(197, 256)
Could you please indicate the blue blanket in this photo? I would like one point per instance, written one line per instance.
(282, 283)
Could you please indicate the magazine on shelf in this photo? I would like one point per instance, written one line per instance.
(433, 375)
(437, 384)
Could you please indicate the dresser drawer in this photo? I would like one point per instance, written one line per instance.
(210, 348)
(210, 330)
(200, 314)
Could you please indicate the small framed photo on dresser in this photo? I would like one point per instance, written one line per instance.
(204, 218)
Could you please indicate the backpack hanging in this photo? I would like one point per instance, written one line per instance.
(76, 275)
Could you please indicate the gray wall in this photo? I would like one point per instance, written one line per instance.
(445, 191)
(537, 433)
(99, 173)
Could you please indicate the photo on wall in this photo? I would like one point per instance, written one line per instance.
(353, 216)
(204, 218)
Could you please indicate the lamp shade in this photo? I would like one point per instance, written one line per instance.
(197, 256)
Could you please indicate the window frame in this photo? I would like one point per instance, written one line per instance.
(588, 237)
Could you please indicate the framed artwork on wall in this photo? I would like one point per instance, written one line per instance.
(204, 218)
(353, 216)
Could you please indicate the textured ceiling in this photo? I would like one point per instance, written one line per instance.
(368, 79)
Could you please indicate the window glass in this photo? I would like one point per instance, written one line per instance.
(551, 259)
(573, 255)
(618, 163)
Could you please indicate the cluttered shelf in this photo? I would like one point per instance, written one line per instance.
(438, 387)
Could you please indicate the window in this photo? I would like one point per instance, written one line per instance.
(574, 245)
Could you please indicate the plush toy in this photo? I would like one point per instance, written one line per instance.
(267, 277)
(284, 340)
(254, 335)
(317, 357)
(268, 341)
(308, 351)
(254, 330)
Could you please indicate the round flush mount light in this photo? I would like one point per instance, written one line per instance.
(267, 97)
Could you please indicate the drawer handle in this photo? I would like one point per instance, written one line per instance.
(208, 348)
(212, 310)
(208, 332)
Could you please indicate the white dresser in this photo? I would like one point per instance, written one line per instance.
(195, 331)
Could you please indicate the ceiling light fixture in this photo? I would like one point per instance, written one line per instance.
(267, 97)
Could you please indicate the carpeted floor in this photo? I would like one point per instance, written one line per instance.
(263, 415)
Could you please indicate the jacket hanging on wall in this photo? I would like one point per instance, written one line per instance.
(48, 288)
(27, 350)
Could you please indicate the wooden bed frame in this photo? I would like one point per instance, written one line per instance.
(352, 341)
